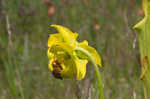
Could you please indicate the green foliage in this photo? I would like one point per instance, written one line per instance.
(144, 41)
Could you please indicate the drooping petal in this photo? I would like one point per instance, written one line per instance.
(67, 34)
(92, 51)
(81, 68)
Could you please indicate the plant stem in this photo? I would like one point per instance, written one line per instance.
(144, 41)
(96, 69)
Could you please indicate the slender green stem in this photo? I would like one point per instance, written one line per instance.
(20, 85)
(96, 69)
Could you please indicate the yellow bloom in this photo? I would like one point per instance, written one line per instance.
(65, 60)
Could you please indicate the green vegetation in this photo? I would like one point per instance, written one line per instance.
(24, 31)
(144, 41)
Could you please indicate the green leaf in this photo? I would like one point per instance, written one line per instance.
(143, 29)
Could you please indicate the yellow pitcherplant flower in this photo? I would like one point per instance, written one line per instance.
(68, 57)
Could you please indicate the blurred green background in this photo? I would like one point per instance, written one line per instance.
(106, 24)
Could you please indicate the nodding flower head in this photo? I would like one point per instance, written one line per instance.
(65, 61)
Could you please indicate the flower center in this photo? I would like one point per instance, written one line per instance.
(57, 68)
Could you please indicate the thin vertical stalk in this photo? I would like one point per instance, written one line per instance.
(12, 87)
(96, 70)
(143, 29)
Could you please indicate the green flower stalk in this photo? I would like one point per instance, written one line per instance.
(143, 29)
(68, 57)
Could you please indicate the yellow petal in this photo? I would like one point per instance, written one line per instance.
(67, 34)
(85, 42)
(50, 64)
(69, 68)
(80, 68)
(92, 51)
(49, 54)
(54, 38)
